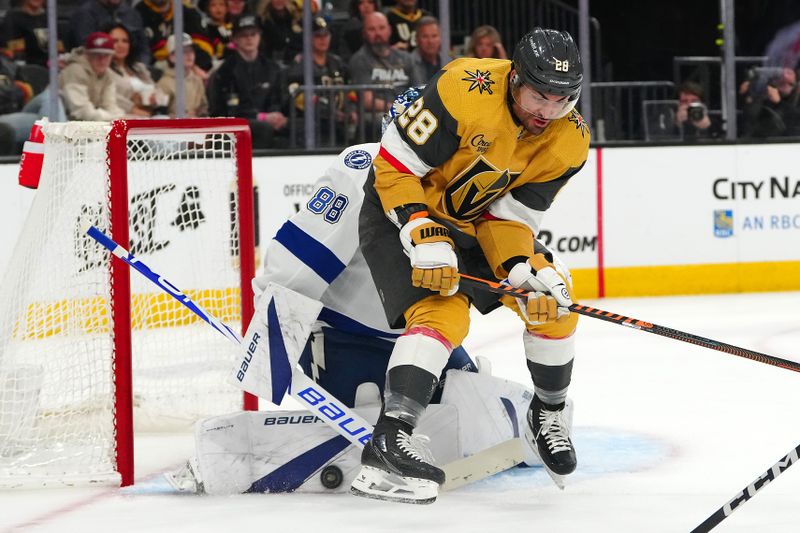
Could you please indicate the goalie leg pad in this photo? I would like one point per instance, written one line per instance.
(289, 451)
(341, 361)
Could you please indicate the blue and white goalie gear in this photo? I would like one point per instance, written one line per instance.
(341, 362)
(295, 451)
(288, 451)
(316, 253)
(401, 102)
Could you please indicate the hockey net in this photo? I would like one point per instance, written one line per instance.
(74, 335)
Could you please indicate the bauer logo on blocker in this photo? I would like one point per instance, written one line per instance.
(358, 159)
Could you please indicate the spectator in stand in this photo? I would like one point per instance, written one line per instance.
(485, 42)
(378, 63)
(16, 120)
(135, 88)
(93, 15)
(195, 101)
(352, 32)
(236, 8)
(218, 28)
(425, 58)
(692, 115)
(771, 103)
(403, 18)
(283, 29)
(86, 84)
(329, 70)
(250, 85)
(13, 95)
(24, 33)
(157, 19)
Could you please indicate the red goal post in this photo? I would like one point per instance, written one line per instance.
(88, 349)
(120, 273)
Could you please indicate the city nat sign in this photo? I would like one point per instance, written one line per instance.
(728, 189)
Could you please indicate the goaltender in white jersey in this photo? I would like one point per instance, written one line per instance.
(316, 253)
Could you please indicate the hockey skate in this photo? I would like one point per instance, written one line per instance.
(547, 433)
(186, 478)
(397, 466)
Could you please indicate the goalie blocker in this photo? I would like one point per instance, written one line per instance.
(294, 451)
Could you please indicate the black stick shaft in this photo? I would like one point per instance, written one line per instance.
(641, 325)
(748, 492)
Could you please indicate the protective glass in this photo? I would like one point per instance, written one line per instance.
(533, 102)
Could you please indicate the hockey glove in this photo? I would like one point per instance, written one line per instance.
(548, 299)
(433, 261)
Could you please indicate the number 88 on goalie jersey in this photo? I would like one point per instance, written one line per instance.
(316, 251)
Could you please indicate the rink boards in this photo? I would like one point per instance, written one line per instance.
(634, 221)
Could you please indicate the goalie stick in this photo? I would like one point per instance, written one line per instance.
(748, 492)
(483, 464)
(337, 415)
(635, 323)
(342, 419)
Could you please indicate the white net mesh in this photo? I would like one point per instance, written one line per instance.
(56, 344)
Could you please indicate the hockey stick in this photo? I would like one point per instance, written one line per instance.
(319, 401)
(338, 416)
(748, 492)
(635, 323)
(483, 464)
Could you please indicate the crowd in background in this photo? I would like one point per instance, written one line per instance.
(243, 58)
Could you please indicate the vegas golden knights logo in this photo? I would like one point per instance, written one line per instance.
(471, 192)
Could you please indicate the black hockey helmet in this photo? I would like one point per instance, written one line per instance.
(548, 62)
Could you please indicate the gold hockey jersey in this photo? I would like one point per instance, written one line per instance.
(459, 150)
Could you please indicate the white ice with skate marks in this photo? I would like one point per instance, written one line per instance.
(665, 432)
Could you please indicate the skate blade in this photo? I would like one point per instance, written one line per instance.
(184, 479)
(180, 484)
(558, 479)
(379, 485)
(389, 498)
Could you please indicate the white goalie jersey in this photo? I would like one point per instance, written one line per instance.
(316, 252)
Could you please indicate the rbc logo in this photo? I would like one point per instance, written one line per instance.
(723, 223)
(358, 159)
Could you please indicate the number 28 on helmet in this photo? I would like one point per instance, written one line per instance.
(548, 73)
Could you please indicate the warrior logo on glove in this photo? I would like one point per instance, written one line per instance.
(427, 232)
(430, 249)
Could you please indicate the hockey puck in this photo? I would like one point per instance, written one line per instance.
(331, 477)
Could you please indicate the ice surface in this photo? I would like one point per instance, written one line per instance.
(666, 432)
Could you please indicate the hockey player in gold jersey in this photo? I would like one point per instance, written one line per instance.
(466, 174)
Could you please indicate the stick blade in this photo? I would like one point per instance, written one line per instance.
(483, 464)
